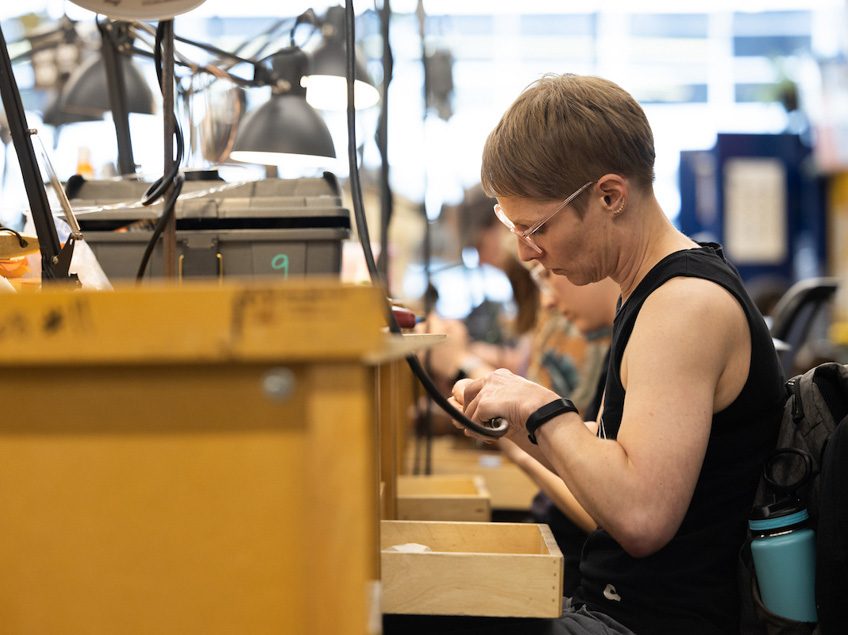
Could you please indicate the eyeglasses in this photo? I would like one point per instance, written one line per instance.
(524, 235)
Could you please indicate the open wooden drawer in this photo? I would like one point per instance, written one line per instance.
(509, 488)
(485, 569)
(443, 497)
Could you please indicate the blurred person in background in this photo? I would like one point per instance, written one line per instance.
(499, 334)
(590, 309)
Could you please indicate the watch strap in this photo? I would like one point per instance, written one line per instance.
(545, 414)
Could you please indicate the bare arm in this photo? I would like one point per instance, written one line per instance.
(681, 364)
(551, 484)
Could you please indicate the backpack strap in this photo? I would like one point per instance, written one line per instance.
(793, 393)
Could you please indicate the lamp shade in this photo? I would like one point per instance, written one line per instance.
(54, 115)
(284, 128)
(139, 9)
(87, 91)
(326, 84)
(326, 80)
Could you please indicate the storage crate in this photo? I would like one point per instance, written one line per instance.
(271, 228)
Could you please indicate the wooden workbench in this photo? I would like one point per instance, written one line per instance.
(200, 459)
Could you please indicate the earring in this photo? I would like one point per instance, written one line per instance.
(619, 210)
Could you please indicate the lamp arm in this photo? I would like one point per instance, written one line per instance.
(54, 259)
(214, 49)
(267, 33)
(201, 45)
(117, 86)
(184, 62)
(307, 17)
(262, 76)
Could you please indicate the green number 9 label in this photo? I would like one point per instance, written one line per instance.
(280, 263)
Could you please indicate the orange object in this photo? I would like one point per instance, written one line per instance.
(13, 267)
(84, 166)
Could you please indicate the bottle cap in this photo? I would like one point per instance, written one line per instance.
(783, 513)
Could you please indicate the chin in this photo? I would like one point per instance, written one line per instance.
(575, 278)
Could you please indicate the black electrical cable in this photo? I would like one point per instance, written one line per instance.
(198, 68)
(427, 243)
(172, 181)
(267, 33)
(307, 17)
(386, 202)
(209, 48)
(493, 429)
(167, 212)
(158, 188)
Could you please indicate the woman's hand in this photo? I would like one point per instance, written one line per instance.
(501, 394)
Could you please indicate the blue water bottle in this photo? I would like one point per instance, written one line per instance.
(783, 548)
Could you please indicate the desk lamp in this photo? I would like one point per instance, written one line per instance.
(55, 115)
(55, 258)
(110, 82)
(326, 85)
(170, 184)
(286, 126)
(62, 35)
(86, 93)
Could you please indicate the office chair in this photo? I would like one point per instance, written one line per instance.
(795, 314)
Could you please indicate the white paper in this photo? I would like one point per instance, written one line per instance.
(755, 213)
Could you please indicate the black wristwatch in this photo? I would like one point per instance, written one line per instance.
(545, 414)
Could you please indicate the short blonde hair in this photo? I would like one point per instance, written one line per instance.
(565, 130)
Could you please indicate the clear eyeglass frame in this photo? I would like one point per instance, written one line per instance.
(525, 235)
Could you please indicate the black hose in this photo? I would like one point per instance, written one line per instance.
(498, 427)
(386, 202)
(168, 211)
(170, 182)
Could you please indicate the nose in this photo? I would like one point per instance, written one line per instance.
(526, 252)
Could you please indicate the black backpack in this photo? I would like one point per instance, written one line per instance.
(810, 462)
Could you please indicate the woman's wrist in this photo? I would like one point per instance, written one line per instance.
(556, 427)
(531, 405)
(547, 413)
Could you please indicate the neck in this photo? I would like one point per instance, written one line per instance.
(651, 237)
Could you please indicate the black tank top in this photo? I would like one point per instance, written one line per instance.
(689, 586)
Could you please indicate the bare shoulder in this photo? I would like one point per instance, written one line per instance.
(695, 300)
(691, 326)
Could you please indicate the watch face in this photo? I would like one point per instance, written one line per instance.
(139, 9)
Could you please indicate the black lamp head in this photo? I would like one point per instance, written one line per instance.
(54, 115)
(326, 82)
(87, 93)
(288, 68)
(286, 128)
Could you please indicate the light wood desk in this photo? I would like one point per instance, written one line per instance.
(509, 487)
(187, 460)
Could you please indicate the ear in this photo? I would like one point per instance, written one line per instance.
(614, 190)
